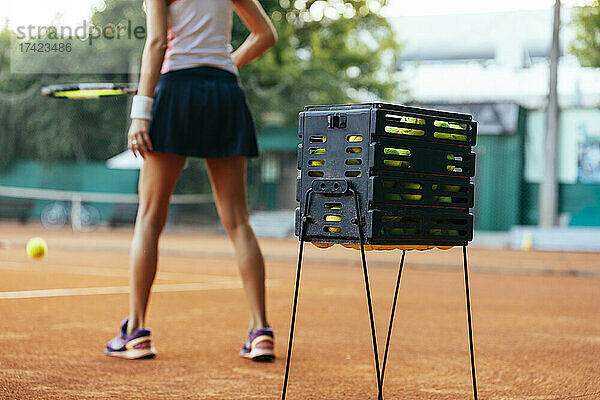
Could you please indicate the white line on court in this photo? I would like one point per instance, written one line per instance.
(105, 271)
(177, 287)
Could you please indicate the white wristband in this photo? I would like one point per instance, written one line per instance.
(141, 107)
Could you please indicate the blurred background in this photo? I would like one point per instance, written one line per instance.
(538, 172)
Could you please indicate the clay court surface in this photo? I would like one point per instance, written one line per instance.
(536, 322)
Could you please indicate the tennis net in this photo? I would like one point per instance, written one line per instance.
(87, 210)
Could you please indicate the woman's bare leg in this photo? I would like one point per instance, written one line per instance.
(228, 179)
(157, 180)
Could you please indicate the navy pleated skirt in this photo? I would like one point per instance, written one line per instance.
(202, 112)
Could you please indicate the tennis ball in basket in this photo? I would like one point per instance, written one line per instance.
(36, 248)
(414, 186)
(392, 196)
(394, 163)
(450, 188)
(396, 152)
(442, 135)
(333, 218)
(404, 131)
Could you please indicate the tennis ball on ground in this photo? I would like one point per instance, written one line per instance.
(36, 248)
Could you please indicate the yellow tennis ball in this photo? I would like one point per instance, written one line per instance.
(395, 163)
(413, 186)
(442, 199)
(442, 135)
(37, 248)
(450, 188)
(456, 136)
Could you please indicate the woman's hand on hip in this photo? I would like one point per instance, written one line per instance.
(138, 140)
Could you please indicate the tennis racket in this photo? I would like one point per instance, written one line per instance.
(81, 91)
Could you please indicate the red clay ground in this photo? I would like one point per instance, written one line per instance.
(536, 321)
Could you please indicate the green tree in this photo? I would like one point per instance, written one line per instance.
(329, 52)
(333, 51)
(587, 42)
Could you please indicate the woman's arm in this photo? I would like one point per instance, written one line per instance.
(152, 60)
(262, 32)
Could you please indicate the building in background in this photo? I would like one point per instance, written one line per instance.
(496, 67)
(493, 57)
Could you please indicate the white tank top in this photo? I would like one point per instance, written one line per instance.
(199, 33)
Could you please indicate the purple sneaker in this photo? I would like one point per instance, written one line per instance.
(132, 347)
(259, 345)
